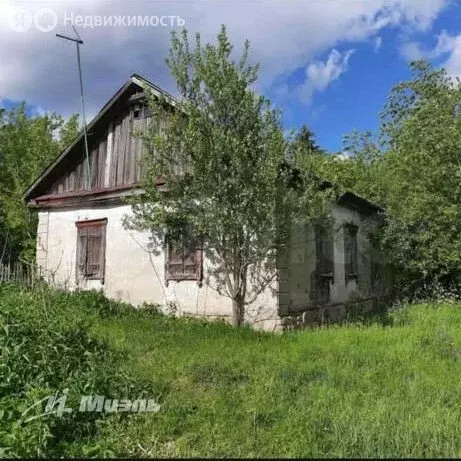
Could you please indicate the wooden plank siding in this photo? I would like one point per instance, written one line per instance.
(123, 160)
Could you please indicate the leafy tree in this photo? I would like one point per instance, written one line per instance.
(27, 145)
(422, 172)
(226, 168)
(68, 131)
(307, 142)
(414, 170)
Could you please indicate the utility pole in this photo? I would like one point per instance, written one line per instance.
(78, 41)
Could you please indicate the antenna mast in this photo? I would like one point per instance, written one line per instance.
(78, 41)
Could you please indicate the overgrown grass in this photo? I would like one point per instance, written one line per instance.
(355, 391)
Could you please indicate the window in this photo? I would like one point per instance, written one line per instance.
(324, 251)
(375, 274)
(324, 268)
(350, 251)
(183, 259)
(91, 249)
(138, 111)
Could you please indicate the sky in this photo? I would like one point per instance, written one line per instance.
(329, 64)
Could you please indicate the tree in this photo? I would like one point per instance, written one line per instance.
(68, 131)
(414, 170)
(223, 158)
(422, 171)
(27, 145)
(307, 142)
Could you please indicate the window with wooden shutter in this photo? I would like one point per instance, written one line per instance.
(350, 251)
(91, 249)
(324, 249)
(324, 266)
(183, 259)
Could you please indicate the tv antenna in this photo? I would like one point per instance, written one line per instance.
(78, 41)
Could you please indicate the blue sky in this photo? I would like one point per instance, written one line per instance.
(355, 100)
(327, 63)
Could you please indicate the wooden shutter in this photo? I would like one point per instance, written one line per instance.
(324, 250)
(81, 251)
(175, 264)
(91, 249)
(183, 259)
(350, 250)
(324, 268)
(94, 252)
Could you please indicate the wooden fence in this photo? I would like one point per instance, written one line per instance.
(18, 272)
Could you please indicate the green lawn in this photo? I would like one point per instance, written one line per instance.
(355, 391)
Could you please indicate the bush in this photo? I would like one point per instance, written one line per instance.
(46, 348)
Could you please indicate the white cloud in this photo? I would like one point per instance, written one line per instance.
(411, 51)
(447, 47)
(343, 156)
(285, 36)
(377, 44)
(320, 75)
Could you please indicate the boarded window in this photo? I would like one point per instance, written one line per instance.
(183, 259)
(91, 249)
(324, 267)
(350, 251)
(324, 250)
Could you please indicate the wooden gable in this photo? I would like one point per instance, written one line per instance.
(114, 151)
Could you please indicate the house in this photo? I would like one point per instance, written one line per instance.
(82, 241)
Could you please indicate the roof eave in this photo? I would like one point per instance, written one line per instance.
(361, 204)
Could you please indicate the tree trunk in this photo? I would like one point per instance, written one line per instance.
(238, 311)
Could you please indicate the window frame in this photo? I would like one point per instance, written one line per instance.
(197, 275)
(324, 241)
(324, 274)
(351, 263)
(82, 227)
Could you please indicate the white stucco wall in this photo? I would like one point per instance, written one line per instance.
(132, 273)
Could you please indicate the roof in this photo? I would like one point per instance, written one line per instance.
(135, 79)
(347, 199)
(355, 202)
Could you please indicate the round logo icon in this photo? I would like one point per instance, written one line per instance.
(45, 19)
(20, 20)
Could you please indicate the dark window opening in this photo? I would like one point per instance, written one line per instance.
(324, 250)
(324, 268)
(91, 249)
(350, 251)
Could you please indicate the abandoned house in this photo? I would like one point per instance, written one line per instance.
(82, 242)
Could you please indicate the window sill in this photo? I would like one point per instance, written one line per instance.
(170, 278)
(83, 278)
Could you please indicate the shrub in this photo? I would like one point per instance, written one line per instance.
(46, 348)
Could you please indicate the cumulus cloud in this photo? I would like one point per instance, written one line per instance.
(320, 74)
(447, 47)
(285, 36)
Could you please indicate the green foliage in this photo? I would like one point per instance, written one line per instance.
(224, 159)
(69, 130)
(350, 391)
(45, 349)
(27, 145)
(346, 391)
(413, 168)
(421, 176)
